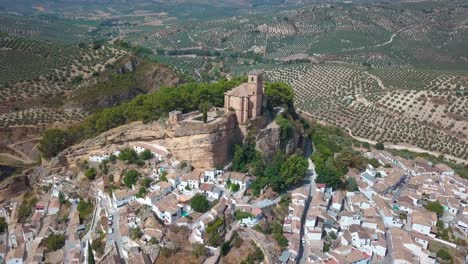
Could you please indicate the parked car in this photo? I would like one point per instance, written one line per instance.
(110, 231)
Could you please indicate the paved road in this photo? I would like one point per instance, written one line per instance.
(304, 251)
(388, 259)
(115, 237)
(69, 245)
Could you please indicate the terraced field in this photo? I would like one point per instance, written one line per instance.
(407, 107)
(31, 68)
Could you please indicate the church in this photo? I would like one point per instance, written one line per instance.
(246, 99)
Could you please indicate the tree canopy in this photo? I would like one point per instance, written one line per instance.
(279, 94)
(85, 209)
(199, 203)
(146, 107)
(131, 178)
(53, 141)
(55, 242)
(435, 207)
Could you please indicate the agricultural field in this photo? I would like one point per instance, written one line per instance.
(407, 107)
(36, 68)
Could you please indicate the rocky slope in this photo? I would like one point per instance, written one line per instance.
(202, 145)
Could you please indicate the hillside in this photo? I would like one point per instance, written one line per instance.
(58, 90)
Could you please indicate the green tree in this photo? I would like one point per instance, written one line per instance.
(351, 185)
(128, 155)
(199, 203)
(293, 170)
(379, 146)
(62, 199)
(146, 155)
(91, 173)
(444, 254)
(235, 187)
(135, 233)
(52, 142)
(435, 207)
(205, 107)
(55, 242)
(440, 224)
(279, 94)
(3, 225)
(90, 255)
(26, 208)
(85, 209)
(146, 182)
(131, 178)
(163, 176)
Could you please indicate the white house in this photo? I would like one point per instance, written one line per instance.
(349, 218)
(122, 197)
(423, 221)
(300, 196)
(314, 233)
(444, 170)
(359, 236)
(138, 149)
(192, 180)
(337, 202)
(239, 178)
(98, 158)
(210, 190)
(463, 223)
(54, 206)
(379, 247)
(211, 175)
(165, 187)
(168, 209)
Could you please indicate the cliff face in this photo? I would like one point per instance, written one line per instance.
(205, 145)
(202, 145)
(268, 141)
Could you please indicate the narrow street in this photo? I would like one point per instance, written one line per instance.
(304, 251)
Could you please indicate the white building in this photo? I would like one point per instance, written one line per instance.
(168, 209)
(423, 222)
(349, 218)
(239, 178)
(122, 197)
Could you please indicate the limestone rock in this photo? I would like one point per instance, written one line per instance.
(202, 145)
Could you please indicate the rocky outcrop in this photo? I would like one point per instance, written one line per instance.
(202, 145)
(268, 141)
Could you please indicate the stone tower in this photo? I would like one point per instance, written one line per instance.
(255, 83)
(246, 99)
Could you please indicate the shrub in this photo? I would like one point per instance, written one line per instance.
(379, 146)
(199, 250)
(444, 254)
(135, 233)
(91, 173)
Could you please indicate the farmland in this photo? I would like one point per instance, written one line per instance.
(429, 111)
(392, 72)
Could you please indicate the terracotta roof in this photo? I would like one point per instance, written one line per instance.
(207, 187)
